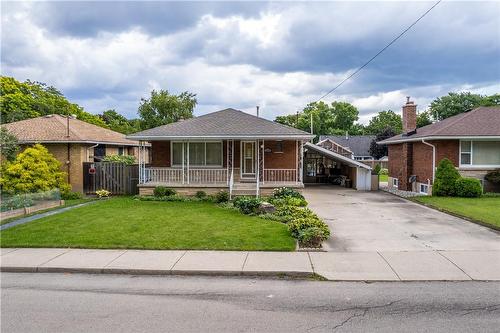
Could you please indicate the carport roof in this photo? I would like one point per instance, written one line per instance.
(333, 155)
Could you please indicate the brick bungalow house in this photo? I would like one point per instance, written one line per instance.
(72, 142)
(471, 140)
(224, 150)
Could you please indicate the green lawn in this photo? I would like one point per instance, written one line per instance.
(383, 178)
(485, 209)
(67, 203)
(128, 223)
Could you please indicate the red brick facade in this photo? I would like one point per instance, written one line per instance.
(279, 155)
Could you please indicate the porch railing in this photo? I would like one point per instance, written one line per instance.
(280, 175)
(208, 176)
(163, 175)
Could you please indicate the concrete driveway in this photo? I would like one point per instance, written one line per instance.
(377, 221)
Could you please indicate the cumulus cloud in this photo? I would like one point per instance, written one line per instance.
(109, 55)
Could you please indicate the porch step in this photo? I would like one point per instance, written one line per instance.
(241, 192)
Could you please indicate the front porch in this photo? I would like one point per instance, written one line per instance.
(250, 167)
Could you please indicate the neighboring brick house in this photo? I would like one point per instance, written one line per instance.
(471, 140)
(72, 142)
(358, 145)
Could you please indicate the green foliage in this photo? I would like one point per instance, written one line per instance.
(119, 123)
(69, 195)
(221, 197)
(283, 192)
(125, 159)
(424, 119)
(164, 108)
(8, 144)
(297, 226)
(312, 236)
(376, 170)
(455, 103)
(102, 193)
(383, 120)
(24, 100)
(445, 179)
(493, 176)
(288, 201)
(33, 170)
(201, 194)
(16, 202)
(468, 188)
(247, 205)
(162, 191)
(383, 171)
(378, 151)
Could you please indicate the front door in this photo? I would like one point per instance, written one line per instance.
(248, 159)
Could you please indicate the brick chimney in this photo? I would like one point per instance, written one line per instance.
(409, 117)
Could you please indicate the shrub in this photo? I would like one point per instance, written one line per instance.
(201, 194)
(247, 205)
(376, 170)
(311, 237)
(299, 225)
(103, 193)
(493, 176)
(16, 201)
(445, 180)
(69, 195)
(468, 187)
(125, 159)
(222, 196)
(162, 191)
(288, 201)
(286, 192)
(33, 170)
(383, 171)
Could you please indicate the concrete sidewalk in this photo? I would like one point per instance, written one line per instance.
(338, 266)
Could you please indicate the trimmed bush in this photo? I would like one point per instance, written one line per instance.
(68, 195)
(162, 191)
(468, 188)
(493, 176)
(300, 225)
(288, 201)
(287, 192)
(311, 237)
(201, 194)
(247, 205)
(222, 196)
(445, 180)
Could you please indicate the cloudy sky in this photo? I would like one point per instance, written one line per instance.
(279, 55)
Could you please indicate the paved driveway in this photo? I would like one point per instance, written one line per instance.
(378, 221)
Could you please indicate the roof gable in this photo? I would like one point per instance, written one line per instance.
(480, 122)
(358, 144)
(54, 128)
(227, 123)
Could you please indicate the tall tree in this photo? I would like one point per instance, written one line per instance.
(383, 120)
(24, 100)
(163, 108)
(423, 119)
(455, 103)
(376, 150)
(119, 123)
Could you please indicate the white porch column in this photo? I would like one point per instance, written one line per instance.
(263, 165)
(183, 173)
(301, 162)
(187, 167)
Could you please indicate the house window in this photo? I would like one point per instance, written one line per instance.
(395, 182)
(279, 147)
(424, 188)
(200, 153)
(120, 151)
(480, 153)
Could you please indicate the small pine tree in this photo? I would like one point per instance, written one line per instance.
(445, 180)
(376, 170)
(33, 170)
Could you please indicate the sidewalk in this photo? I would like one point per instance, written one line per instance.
(337, 266)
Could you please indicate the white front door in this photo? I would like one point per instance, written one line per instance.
(248, 159)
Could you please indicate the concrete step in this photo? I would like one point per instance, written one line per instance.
(244, 192)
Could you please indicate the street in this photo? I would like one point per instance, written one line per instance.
(124, 303)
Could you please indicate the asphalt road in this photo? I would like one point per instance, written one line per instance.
(120, 303)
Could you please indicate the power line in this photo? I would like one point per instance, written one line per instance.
(376, 55)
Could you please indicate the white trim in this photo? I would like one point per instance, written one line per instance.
(205, 152)
(395, 182)
(242, 158)
(476, 137)
(337, 156)
(426, 192)
(433, 159)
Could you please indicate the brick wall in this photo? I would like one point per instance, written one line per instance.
(284, 160)
(160, 153)
(74, 169)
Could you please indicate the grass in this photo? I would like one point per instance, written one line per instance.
(383, 178)
(67, 203)
(484, 209)
(127, 223)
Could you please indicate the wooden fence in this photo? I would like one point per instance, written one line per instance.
(117, 178)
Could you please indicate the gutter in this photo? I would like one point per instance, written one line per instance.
(433, 159)
(450, 137)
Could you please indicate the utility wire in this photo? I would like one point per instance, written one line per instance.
(376, 55)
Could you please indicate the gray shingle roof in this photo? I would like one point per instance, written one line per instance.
(228, 123)
(358, 144)
(480, 122)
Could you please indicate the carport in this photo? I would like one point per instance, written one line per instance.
(322, 166)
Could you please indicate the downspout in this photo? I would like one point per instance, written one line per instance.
(91, 147)
(433, 159)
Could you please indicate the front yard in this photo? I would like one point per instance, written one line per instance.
(484, 209)
(129, 223)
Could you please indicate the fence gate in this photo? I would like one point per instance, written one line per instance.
(117, 178)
